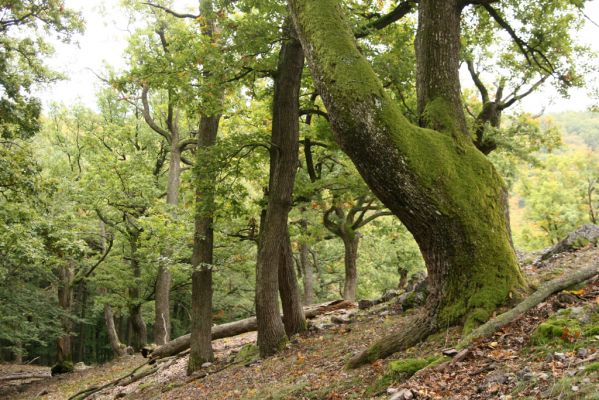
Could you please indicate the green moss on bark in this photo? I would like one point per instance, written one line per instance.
(457, 180)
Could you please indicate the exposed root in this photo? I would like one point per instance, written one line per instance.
(417, 328)
(546, 290)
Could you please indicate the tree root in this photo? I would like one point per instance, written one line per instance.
(418, 328)
(546, 290)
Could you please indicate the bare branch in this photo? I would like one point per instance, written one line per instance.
(171, 12)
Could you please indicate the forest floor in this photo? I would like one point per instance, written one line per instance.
(551, 352)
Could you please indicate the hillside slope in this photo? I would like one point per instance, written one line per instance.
(550, 352)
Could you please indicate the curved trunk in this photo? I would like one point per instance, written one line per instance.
(274, 235)
(350, 243)
(117, 347)
(440, 186)
(203, 247)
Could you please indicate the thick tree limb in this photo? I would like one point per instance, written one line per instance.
(546, 290)
(402, 9)
(148, 117)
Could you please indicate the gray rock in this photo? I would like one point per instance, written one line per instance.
(582, 353)
(579, 238)
(561, 357)
(364, 304)
(403, 394)
(497, 377)
(340, 320)
(450, 352)
(206, 365)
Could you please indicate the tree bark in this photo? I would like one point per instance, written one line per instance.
(350, 244)
(203, 247)
(138, 325)
(117, 347)
(274, 236)
(293, 314)
(442, 188)
(306, 265)
(439, 96)
(64, 349)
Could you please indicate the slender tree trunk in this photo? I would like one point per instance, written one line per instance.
(138, 325)
(442, 188)
(306, 265)
(117, 347)
(274, 238)
(82, 289)
(350, 244)
(293, 312)
(202, 258)
(65, 300)
(308, 277)
(162, 320)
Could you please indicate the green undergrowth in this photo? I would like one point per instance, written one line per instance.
(247, 354)
(402, 370)
(567, 330)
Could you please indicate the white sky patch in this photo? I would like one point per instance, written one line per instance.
(108, 27)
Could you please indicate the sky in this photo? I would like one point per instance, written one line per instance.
(105, 39)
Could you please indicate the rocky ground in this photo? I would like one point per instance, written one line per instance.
(550, 352)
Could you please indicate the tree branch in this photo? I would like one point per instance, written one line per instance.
(148, 117)
(402, 9)
(171, 12)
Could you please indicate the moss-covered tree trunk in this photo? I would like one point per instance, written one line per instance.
(440, 186)
(274, 267)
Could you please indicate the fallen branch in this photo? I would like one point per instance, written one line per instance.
(95, 389)
(546, 290)
(182, 343)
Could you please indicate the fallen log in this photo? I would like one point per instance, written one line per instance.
(229, 329)
(546, 290)
(18, 377)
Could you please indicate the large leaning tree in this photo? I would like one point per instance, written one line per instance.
(431, 177)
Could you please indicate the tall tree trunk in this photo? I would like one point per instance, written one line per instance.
(138, 325)
(350, 244)
(203, 247)
(443, 189)
(162, 320)
(117, 347)
(274, 237)
(64, 349)
(306, 265)
(82, 289)
(437, 66)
